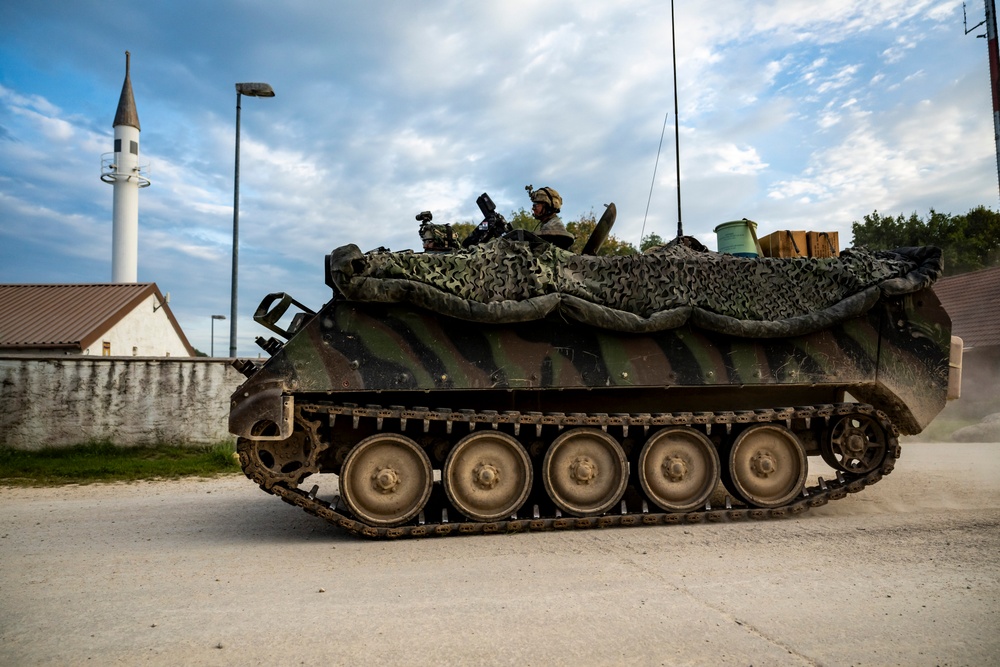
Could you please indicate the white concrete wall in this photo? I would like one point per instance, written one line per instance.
(62, 401)
(149, 332)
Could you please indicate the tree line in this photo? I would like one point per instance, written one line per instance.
(969, 241)
(581, 228)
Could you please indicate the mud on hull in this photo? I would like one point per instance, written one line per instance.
(435, 425)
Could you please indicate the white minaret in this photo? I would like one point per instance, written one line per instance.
(122, 170)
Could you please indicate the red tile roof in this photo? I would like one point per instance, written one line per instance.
(973, 302)
(69, 316)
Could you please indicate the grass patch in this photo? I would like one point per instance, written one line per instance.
(104, 462)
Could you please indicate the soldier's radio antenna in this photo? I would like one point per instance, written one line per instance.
(642, 232)
(677, 132)
(680, 227)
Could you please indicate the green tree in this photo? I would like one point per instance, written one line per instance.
(651, 240)
(521, 219)
(968, 242)
(583, 227)
(462, 229)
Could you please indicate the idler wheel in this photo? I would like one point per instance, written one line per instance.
(857, 444)
(679, 469)
(766, 466)
(386, 479)
(585, 472)
(487, 476)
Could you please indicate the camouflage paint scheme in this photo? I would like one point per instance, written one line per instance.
(895, 357)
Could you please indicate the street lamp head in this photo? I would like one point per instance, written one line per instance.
(218, 317)
(255, 89)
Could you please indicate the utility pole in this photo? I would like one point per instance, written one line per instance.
(991, 39)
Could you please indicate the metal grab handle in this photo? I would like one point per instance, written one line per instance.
(268, 316)
(752, 226)
(791, 237)
(829, 242)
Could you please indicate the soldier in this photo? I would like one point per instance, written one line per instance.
(436, 238)
(545, 207)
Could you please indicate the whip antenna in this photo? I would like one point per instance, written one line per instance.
(677, 132)
(655, 165)
(677, 142)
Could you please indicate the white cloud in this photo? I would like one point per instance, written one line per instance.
(790, 112)
(898, 50)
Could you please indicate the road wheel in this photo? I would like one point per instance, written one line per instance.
(679, 469)
(487, 476)
(585, 472)
(767, 466)
(386, 479)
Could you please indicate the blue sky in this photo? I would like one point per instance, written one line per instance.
(799, 115)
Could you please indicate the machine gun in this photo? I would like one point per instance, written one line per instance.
(492, 226)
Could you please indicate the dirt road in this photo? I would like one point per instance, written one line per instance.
(219, 573)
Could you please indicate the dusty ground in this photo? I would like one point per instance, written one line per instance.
(218, 572)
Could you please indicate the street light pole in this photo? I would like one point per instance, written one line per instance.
(215, 317)
(250, 90)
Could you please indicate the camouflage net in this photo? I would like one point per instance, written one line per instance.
(506, 281)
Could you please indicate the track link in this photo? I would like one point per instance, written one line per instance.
(822, 493)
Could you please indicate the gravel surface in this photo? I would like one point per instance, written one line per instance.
(219, 573)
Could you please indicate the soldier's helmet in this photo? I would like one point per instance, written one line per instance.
(547, 196)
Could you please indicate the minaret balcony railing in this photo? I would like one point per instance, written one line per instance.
(110, 172)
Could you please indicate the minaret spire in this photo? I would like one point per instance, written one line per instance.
(126, 114)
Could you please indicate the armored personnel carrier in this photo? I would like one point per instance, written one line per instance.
(512, 385)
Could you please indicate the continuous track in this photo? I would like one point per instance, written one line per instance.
(813, 496)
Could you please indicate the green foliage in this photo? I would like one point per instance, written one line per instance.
(651, 240)
(521, 219)
(105, 462)
(968, 242)
(581, 228)
(462, 229)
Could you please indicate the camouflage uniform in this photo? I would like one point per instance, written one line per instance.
(553, 227)
(437, 238)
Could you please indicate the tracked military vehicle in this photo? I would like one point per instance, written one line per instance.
(512, 386)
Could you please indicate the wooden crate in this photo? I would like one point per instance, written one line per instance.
(823, 244)
(785, 243)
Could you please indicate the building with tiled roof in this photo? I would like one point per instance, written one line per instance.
(972, 300)
(120, 319)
